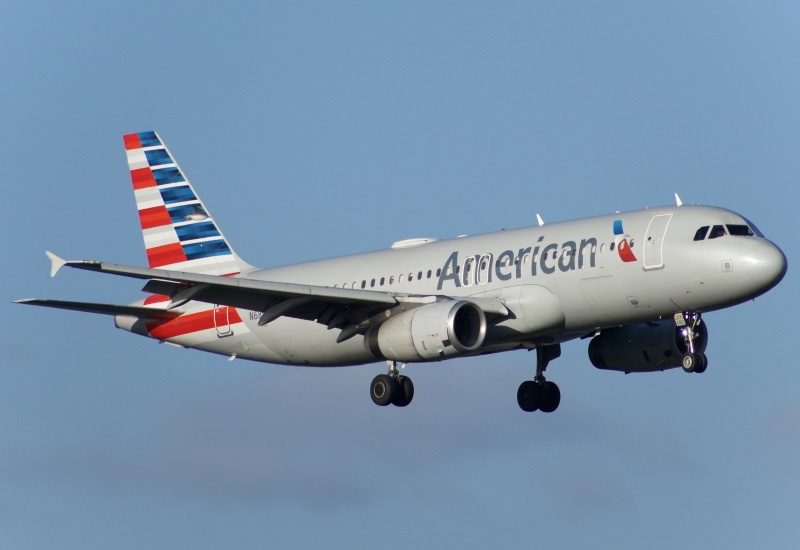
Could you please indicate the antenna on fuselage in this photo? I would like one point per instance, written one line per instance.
(678, 200)
(540, 220)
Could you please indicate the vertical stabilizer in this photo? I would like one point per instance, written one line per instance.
(178, 230)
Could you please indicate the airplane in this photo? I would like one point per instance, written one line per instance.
(637, 283)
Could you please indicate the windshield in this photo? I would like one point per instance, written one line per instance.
(740, 230)
(717, 231)
(754, 228)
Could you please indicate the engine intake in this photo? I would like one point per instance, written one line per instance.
(430, 332)
(643, 347)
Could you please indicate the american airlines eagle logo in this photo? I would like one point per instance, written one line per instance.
(622, 242)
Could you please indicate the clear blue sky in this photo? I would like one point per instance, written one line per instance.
(319, 129)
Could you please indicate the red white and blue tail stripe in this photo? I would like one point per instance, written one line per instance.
(178, 231)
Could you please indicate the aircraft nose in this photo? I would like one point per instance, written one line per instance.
(767, 265)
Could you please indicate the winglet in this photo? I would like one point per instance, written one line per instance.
(678, 200)
(57, 263)
(540, 220)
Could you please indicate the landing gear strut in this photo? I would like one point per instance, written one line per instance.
(693, 360)
(539, 393)
(392, 388)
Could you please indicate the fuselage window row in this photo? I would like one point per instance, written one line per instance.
(485, 261)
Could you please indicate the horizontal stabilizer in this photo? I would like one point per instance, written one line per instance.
(104, 309)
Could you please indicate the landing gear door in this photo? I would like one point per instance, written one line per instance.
(654, 242)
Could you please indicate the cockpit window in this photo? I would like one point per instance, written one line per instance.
(740, 230)
(717, 231)
(701, 233)
(754, 228)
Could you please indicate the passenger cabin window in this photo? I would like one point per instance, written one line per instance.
(468, 277)
(701, 233)
(717, 231)
(740, 231)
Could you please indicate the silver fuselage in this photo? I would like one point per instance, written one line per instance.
(559, 280)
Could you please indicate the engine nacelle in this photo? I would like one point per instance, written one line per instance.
(644, 347)
(430, 332)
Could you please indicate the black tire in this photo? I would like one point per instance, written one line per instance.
(383, 389)
(702, 363)
(404, 393)
(551, 397)
(528, 396)
(689, 362)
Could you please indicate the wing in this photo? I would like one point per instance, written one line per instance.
(347, 309)
(327, 305)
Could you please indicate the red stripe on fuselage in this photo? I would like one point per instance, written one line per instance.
(193, 322)
(155, 299)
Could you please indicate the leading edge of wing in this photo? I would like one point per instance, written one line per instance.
(104, 309)
(267, 288)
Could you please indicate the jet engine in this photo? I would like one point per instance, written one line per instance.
(644, 347)
(430, 332)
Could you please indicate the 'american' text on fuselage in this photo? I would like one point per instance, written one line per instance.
(482, 268)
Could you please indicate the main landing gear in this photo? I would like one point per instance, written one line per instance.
(539, 393)
(693, 360)
(392, 388)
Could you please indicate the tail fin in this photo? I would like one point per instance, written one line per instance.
(178, 231)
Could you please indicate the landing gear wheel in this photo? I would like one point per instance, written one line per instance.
(690, 362)
(529, 395)
(383, 389)
(692, 336)
(550, 397)
(702, 363)
(404, 392)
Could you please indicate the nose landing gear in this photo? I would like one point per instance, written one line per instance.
(693, 360)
